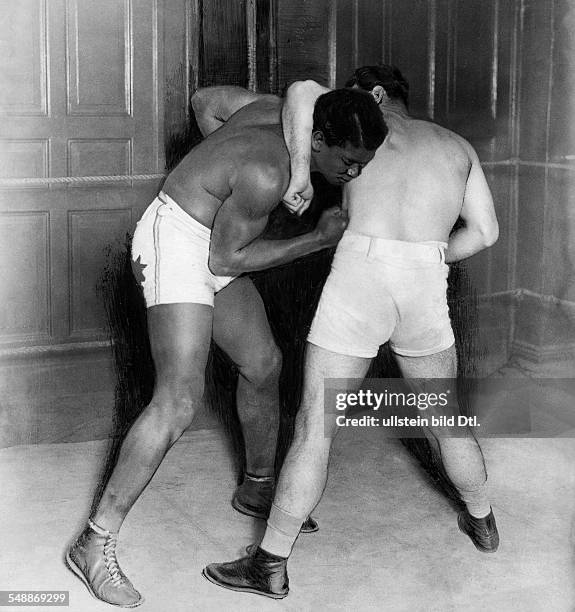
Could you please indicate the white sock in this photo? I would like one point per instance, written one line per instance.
(477, 501)
(281, 532)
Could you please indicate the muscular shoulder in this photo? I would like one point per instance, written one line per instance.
(262, 174)
(450, 144)
(459, 144)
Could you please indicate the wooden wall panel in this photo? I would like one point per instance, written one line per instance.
(223, 47)
(407, 48)
(90, 233)
(99, 156)
(346, 40)
(99, 63)
(23, 158)
(265, 37)
(536, 66)
(559, 239)
(24, 276)
(23, 58)
(303, 35)
(530, 228)
(99, 50)
(562, 104)
(369, 32)
(472, 55)
(180, 33)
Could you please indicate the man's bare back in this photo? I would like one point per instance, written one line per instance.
(415, 186)
(421, 180)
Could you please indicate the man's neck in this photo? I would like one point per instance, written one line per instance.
(393, 110)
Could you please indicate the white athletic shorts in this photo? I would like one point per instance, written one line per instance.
(170, 252)
(380, 290)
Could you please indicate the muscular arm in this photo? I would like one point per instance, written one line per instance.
(213, 106)
(481, 229)
(297, 119)
(236, 244)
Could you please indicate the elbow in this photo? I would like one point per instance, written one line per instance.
(197, 102)
(491, 234)
(303, 88)
(222, 265)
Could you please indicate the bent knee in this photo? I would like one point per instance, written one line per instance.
(178, 408)
(264, 367)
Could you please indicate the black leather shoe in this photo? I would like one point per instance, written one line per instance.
(482, 531)
(254, 498)
(261, 573)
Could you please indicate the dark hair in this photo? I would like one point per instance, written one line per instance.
(389, 77)
(349, 116)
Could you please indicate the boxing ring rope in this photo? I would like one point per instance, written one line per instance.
(70, 180)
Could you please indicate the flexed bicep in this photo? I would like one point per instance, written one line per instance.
(235, 226)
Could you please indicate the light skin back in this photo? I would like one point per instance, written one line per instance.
(421, 180)
(414, 188)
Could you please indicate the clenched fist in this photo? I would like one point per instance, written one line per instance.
(299, 194)
(331, 225)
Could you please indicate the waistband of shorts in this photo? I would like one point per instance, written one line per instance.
(167, 203)
(431, 251)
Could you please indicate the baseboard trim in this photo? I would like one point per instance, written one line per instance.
(49, 350)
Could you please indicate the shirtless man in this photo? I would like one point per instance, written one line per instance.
(189, 249)
(387, 283)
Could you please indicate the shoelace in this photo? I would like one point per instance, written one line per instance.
(112, 566)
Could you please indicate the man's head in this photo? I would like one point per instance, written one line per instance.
(348, 127)
(385, 77)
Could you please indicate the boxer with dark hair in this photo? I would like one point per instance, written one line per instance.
(190, 248)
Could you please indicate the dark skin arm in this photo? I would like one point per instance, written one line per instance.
(236, 246)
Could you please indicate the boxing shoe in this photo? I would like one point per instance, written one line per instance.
(261, 573)
(92, 557)
(254, 498)
(482, 531)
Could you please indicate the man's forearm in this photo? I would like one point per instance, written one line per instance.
(297, 119)
(261, 254)
(465, 242)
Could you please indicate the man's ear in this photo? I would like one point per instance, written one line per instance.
(317, 140)
(379, 94)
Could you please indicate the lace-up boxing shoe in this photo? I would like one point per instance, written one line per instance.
(261, 573)
(254, 497)
(482, 531)
(92, 557)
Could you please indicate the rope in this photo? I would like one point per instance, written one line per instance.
(64, 180)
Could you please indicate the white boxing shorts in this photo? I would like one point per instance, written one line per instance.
(170, 252)
(380, 290)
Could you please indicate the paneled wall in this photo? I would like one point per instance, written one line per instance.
(546, 173)
(80, 97)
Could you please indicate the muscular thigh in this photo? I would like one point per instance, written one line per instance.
(321, 364)
(241, 326)
(180, 340)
